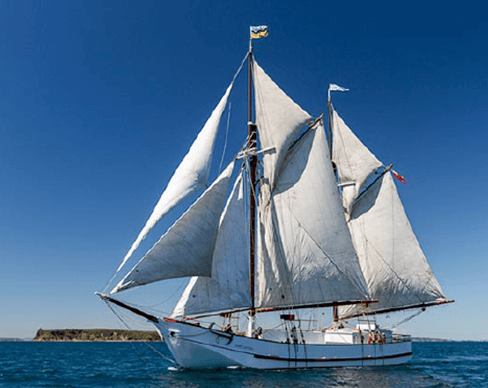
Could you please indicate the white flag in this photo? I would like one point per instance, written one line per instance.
(334, 87)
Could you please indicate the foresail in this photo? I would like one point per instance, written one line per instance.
(191, 175)
(354, 162)
(393, 264)
(187, 247)
(305, 252)
(279, 120)
(228, 287)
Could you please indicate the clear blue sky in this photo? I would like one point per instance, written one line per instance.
(99, 101)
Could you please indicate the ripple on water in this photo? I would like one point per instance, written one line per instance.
(434, 365)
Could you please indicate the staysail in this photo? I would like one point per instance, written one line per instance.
(279, 120)
(355, 163)
(305, 252)
(187, 248)
(228, 286)
(393, 264)
(191, 175)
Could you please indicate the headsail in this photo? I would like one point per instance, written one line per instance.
(228, 287)
(395, 268)
(279, 120)
(191, 175)
(355, 163)
(187, 247)
(305, 252)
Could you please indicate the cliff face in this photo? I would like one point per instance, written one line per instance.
(96, 335)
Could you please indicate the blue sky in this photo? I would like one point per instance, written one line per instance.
(99, 101)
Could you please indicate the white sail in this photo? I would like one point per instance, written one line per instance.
(305, 252)
(355, 163)
(191, 175)
(279, 120)
(393, 264)
(186, 249)
(228, 286)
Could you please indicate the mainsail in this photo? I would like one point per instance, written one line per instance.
(279, 120)
(305, 252)
(355, 163)
(187, 248)
(228, 286)
(191, 175)
(392, 261)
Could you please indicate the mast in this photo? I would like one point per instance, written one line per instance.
(329, 136)
(252, 143)
(329, 110)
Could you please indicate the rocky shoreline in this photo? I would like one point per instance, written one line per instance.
(95, 335)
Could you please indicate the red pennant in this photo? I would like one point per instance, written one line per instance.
(398, 176)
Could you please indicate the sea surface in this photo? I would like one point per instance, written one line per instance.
(123, 364)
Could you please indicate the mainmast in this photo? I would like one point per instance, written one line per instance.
(329, 111)
(331, 88)
(252, 143)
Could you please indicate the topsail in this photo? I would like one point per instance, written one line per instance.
(279, 120)
(355, 163)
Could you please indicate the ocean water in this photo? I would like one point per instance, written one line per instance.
(122, 364)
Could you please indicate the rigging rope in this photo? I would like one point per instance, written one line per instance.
(133, 347)
(151, 308)
(226, 136)
(409, 318)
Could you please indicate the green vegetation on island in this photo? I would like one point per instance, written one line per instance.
(96, 335)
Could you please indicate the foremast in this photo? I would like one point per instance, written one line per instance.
(251, 145)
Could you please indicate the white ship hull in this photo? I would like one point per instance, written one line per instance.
(197, 347)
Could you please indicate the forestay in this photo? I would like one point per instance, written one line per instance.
(305, 252)
(355, 163)
(191, 175)
(279, 120)
(187, 248)
(228, 287)
(393, 264)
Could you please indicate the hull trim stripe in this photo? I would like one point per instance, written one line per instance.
(331, 359)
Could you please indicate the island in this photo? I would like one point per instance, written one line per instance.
(95, 335)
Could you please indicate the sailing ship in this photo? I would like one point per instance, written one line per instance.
(307, 221)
